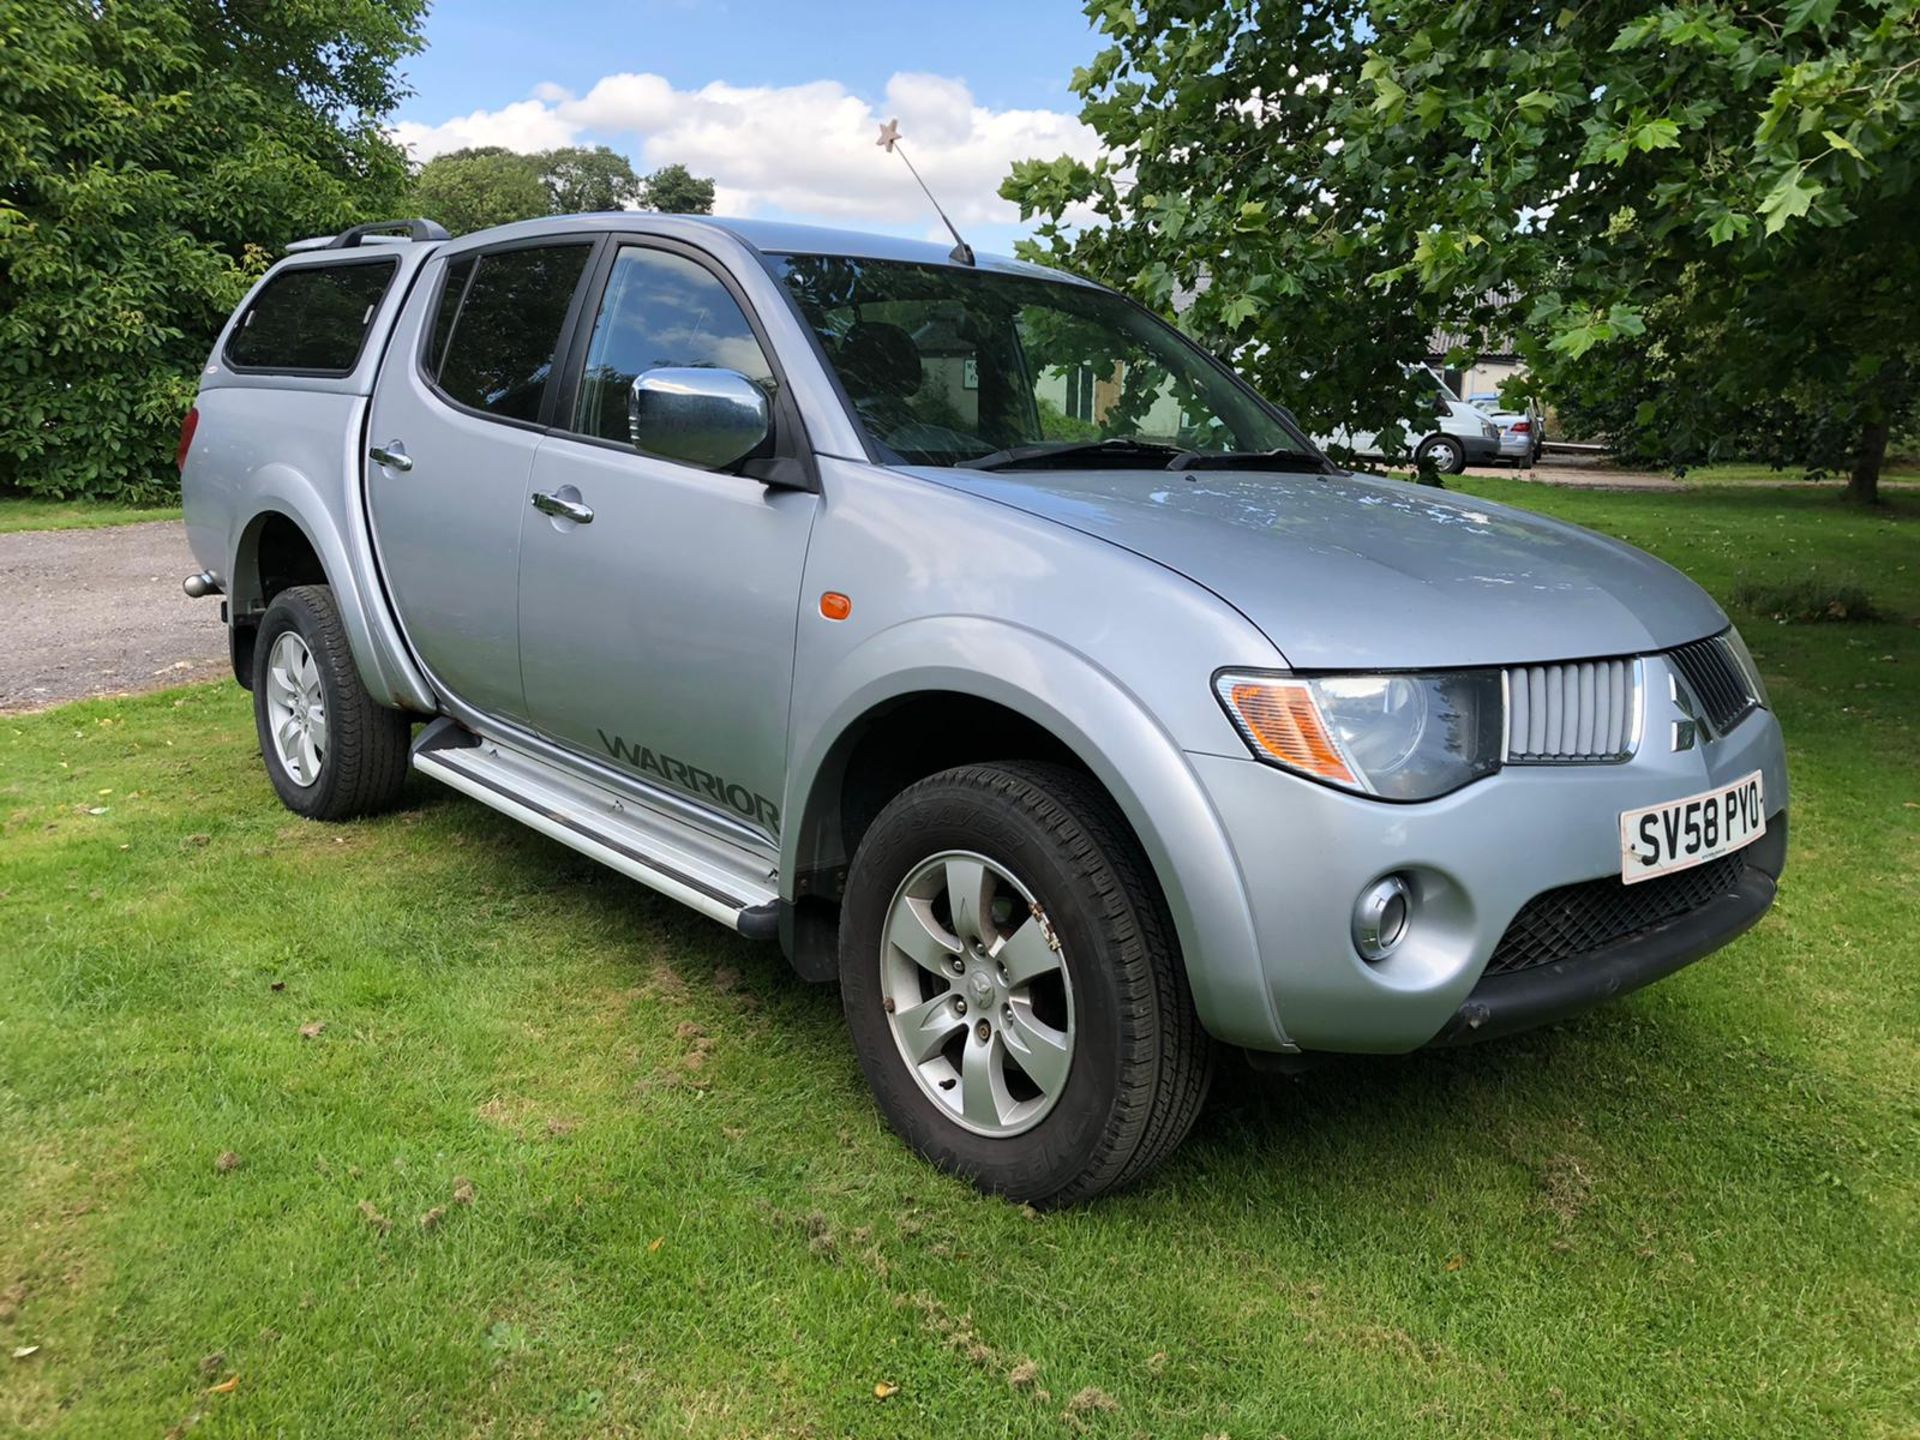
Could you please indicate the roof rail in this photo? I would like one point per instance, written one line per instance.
(417, 229)
(348, 239)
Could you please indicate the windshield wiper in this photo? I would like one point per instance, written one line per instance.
(1295, 460)
(1042, 456)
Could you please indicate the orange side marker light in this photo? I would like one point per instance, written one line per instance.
(1286, 724)
(835, 606)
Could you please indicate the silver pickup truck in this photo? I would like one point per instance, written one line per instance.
(967, 630)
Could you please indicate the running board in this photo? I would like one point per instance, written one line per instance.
(723, 881)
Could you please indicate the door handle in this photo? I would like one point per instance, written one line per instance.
(393, 455)
(548, 503)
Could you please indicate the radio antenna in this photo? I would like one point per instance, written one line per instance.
(889, 141)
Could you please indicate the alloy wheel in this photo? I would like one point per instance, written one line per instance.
(977, 993)
(296, 709)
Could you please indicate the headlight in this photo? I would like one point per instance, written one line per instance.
(1489, 429)
(1401, 737)
(1749, 671)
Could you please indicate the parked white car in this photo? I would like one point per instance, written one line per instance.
(1453, 434)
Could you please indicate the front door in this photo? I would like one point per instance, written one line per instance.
(457, 417)
(658, 636)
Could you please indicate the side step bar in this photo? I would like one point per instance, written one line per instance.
(723, 881)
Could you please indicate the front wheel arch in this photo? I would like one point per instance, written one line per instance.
(1106, 732)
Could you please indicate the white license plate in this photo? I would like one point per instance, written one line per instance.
(1683, 833)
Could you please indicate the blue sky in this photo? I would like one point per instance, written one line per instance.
(778, 102)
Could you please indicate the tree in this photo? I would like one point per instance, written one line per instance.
(674, 190)
(581, 180)
(471, 189)
(483, 185)
(153, 158)
(1705, 199)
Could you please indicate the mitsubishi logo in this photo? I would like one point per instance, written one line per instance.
(1686, 730)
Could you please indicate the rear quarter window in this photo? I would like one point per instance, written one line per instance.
(311, 319)
(497, 357)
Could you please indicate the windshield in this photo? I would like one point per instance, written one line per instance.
(952, 366)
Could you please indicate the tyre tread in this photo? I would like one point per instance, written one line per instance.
(368, 744)
(1167, 1068)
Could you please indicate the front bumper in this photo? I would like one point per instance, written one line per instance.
(1481, 449)
(1503, 1004)
(1475, 859)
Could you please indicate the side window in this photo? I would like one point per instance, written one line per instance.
(660, 309)
(499, 356)
(311, 318)
(453, 289)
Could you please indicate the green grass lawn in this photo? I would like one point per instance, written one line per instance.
(1747, 473)
(19, 512)
(514, 1148)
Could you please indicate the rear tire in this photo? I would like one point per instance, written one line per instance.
(1449, 456)
(330, 751)
(947, 1029)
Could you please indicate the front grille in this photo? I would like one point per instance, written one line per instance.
(1582, 712)
(1576, 920)
(1713, 672)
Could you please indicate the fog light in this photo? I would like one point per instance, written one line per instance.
(1380, 917)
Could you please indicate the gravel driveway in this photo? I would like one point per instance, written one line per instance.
(100, 612)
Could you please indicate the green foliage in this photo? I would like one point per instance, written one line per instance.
(674, 190)
(1217, 186)
(471, 189)
(153, 157)
(1748, 172)
(1056, 424)
(468, 190)
(582, 179)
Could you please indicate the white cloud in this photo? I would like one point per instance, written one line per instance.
(524, 125)
(804, 150)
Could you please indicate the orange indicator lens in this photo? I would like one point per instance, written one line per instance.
(1284, 721)
(835, 606)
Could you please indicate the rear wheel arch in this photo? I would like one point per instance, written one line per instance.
(292, 537)
(274, 553)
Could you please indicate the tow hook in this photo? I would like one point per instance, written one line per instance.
(201, 585)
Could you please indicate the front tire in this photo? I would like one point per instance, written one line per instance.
(331, 752)
(1013, 988)
(1449, 456)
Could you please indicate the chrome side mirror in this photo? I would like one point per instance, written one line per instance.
(709, 418)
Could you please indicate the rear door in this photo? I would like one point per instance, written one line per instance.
(658, 636)
(458, 413)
